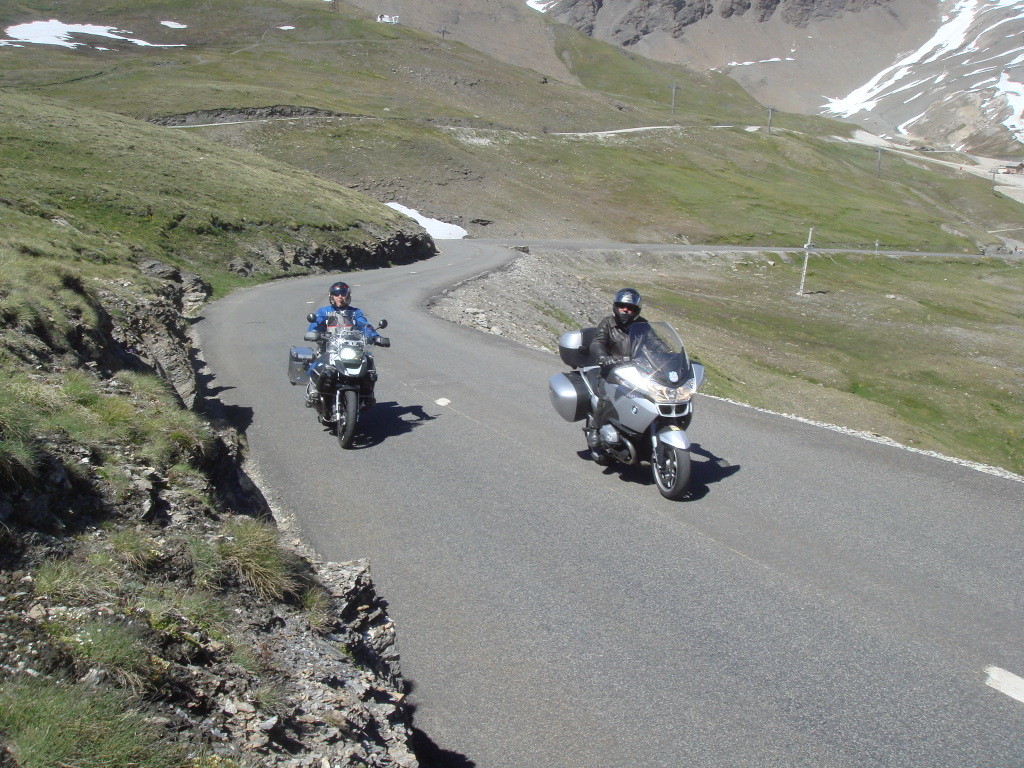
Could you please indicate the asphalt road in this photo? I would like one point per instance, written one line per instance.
(821, 600)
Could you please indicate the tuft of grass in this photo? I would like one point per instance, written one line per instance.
(74, 581)
(18, 453)
(48, 723)
(209, 567)
(134, 548)
(119, 649)
(316, 602)
(250, 549)
(271, 699)
(168, 606)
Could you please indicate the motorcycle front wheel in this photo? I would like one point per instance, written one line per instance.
(671, 467)
(347, 403)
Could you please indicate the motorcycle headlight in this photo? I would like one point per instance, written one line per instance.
(657, 392)
(348, 353)
(662, 394)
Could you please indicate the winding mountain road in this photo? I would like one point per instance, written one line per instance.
(821, 601)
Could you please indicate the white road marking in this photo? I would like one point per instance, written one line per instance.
(1005, 682)
(443, 401)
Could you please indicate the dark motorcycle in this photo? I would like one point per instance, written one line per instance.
(340, 375)
(634, 409)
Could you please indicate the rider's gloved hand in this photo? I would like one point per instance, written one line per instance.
(382, 341)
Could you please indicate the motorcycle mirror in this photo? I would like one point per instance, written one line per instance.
(382, 324)
(311, 318)
(698, 375)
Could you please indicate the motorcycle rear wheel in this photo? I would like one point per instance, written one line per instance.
(671, 468)
(347, 403)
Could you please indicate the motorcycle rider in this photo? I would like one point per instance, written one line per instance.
(610, 346)
(339, 296)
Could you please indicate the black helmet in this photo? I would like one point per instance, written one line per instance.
(339, 289)
(626, 306)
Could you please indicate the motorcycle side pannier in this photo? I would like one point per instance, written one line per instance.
(299, 359)
(569, 395)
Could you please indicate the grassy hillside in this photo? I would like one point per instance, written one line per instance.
(463, 137)
(87, 186)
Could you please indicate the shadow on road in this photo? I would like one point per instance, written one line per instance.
(386, 420)
(427, 752)
(712, 469)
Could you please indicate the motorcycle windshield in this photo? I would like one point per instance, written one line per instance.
(343, 324)
(658, 353)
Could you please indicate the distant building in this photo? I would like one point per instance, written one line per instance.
(1018, 168)
(383, 19)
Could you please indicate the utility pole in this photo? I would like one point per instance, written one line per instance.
(994, 170)
(878, 167)
(771, 111)
(443, 31)
(807, 251)
(674, 88)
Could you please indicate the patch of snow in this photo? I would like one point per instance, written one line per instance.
(762, 61)
(469, 136)
(541, 5)
(55, 32)
(174, 25)
(438, 230)
(1014, 94)
(286, 27)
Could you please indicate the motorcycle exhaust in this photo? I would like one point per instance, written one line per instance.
(623, 451)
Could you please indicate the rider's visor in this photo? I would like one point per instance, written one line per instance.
(340, 291)
(627, 307)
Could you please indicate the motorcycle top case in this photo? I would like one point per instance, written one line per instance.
(574, 347)
(299, 359)
(569, 395)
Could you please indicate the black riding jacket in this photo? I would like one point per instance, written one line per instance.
(611, 338)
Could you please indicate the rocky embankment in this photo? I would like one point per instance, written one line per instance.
(532, 300)
(231, 672)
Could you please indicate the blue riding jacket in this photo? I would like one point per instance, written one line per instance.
(320, 323)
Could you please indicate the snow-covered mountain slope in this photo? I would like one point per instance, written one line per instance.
(943, 71)
(963, 85)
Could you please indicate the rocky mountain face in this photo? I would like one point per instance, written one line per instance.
(629, 21)
(942, 71)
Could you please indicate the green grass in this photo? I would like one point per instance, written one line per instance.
(401, 88)
(250, 549)
(699, 184)
(83, 186)
(75, 581)
(48, 724)
(119, 649)
(73, 407)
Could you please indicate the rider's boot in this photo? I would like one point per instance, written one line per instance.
(590, 432)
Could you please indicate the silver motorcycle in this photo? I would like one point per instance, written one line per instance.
(340, 378)
(636, 408)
